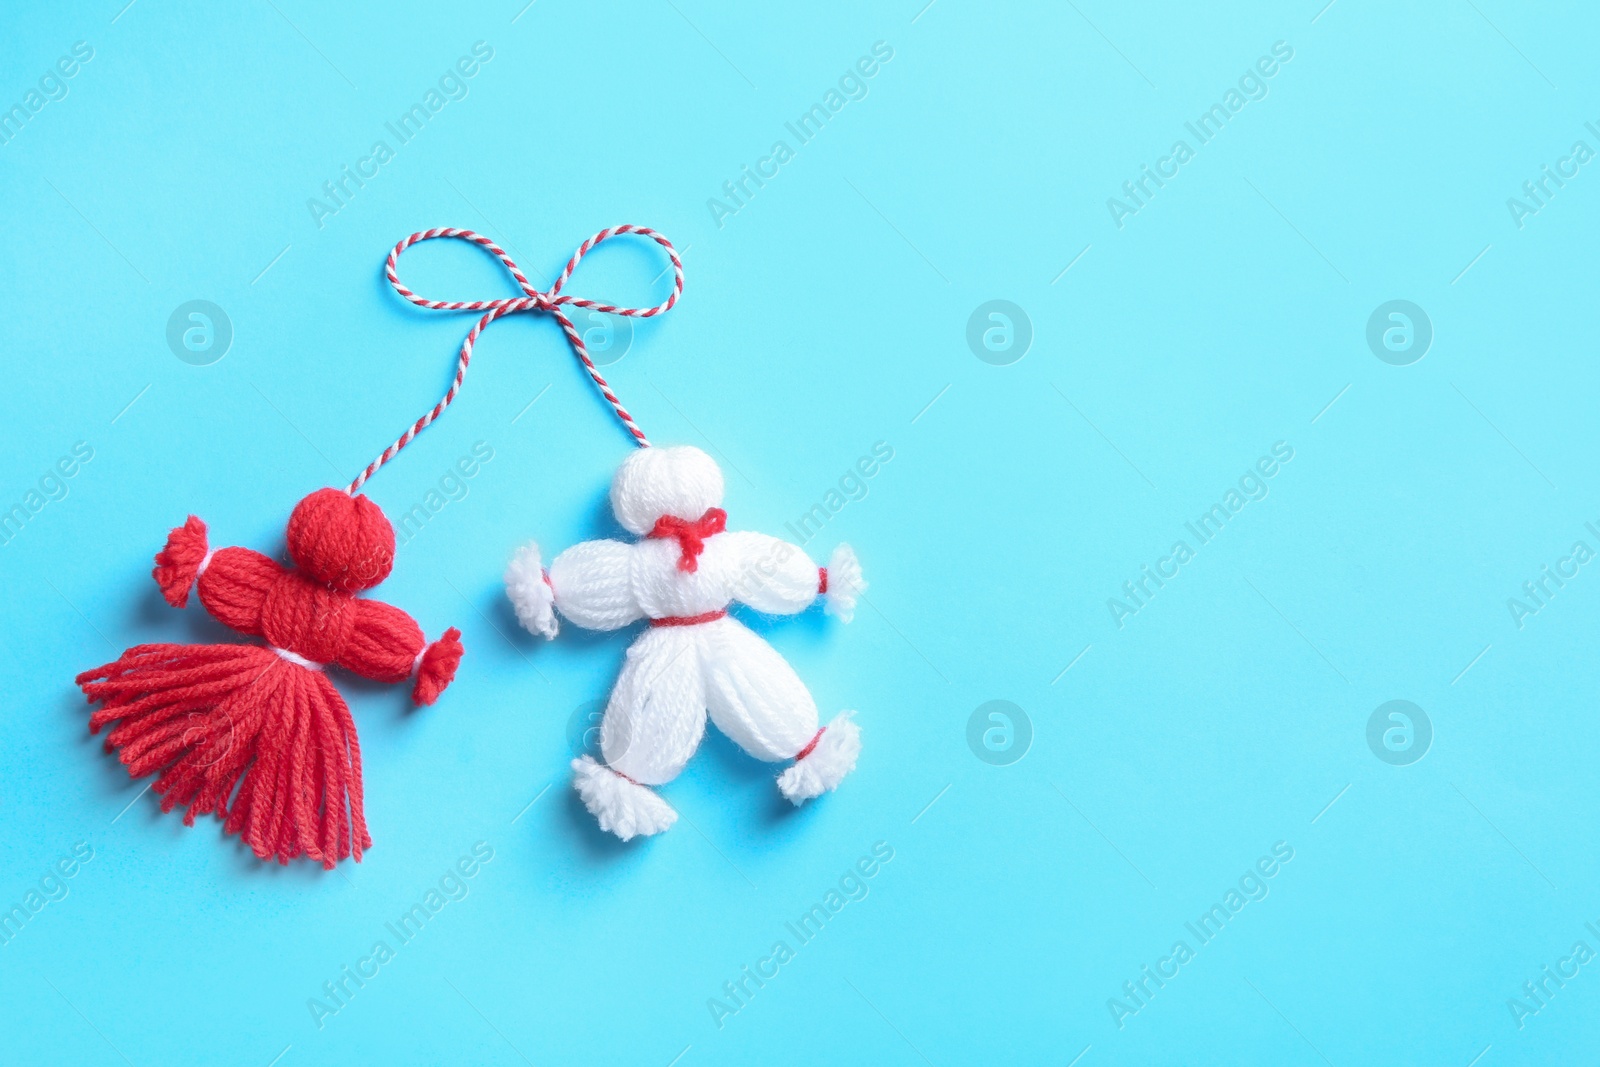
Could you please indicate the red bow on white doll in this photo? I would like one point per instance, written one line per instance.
(694, 659)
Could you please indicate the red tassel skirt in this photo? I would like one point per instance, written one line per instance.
(267, 745)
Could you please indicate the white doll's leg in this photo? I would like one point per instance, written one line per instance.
(657, 712)
(753, 695)
(756, 698)
(652, 725)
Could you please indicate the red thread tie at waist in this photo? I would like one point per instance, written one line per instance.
(688, 620)
(804, 752)
(691, 536)
(822, 581)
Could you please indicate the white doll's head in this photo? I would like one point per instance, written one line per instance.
(680, 481)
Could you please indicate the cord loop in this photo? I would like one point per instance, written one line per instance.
(533, 299)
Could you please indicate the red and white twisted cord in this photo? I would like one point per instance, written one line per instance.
(533, 300)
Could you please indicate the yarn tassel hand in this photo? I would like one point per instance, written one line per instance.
(257, 734)
(694, 660)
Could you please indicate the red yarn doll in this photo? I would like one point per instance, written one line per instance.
(257, 733)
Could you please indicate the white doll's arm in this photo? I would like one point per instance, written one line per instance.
(588, 582)
(592, 585)
(778, 578)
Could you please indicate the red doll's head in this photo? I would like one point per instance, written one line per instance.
(343, 541)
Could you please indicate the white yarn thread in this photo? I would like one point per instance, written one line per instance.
(676, 676)
(297, 659)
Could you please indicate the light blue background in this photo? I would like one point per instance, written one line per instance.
(1230, 713)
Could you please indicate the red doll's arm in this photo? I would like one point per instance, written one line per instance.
(233, 582)
(386, 645)
(234, 585)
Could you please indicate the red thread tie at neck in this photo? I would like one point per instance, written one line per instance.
(691, 536)
(548, 300)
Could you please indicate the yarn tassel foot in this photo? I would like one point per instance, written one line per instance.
(824, 767)
(622, 806)
(267, 745)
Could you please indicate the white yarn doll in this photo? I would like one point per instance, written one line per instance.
(693, 659)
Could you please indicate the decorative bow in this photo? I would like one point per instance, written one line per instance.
(691, 536)
(549, 300)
